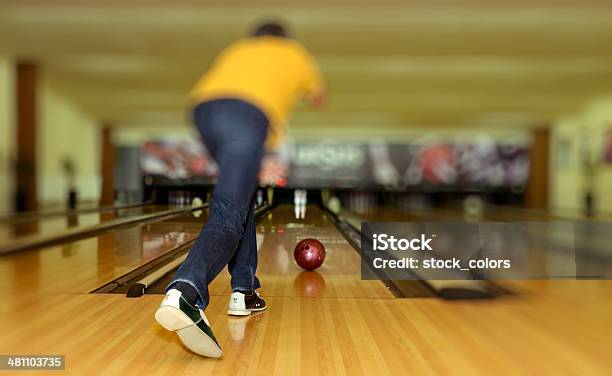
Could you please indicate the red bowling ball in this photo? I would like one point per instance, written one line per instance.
(309, 254)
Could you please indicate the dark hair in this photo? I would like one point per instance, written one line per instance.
(274, 29)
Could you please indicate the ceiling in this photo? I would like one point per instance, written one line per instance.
(395, 65)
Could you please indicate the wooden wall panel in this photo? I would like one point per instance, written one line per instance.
(536, 196)
(107, 196)
(26, 117)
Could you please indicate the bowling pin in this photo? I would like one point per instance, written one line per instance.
(304, 201)
(473, 208)
(296, 203)
(270, 194)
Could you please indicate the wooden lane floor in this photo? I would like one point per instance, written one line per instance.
(339, 276)
(83, 265)
(35, 238)
(322, 336)
(9, 231)
(554, 328)
(61, 210)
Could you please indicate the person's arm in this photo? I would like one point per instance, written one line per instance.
(314, 88)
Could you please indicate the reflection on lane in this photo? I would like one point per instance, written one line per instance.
(83, 265)
(339, 276)
(53, 225)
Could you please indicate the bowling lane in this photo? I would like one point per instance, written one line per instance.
(329, 328)
(61, 210)
(44, 224)
(323, 336)
(339, 276)
(83, 265)
(43, 229)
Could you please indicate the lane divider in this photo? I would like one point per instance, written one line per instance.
(349, 225)
(138, 280)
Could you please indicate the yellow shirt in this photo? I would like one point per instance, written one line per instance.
(268, 72)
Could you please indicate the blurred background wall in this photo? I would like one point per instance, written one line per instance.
(579, 169)
(67, 134)
(396, 71)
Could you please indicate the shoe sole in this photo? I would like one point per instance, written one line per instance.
(174, 320)
(246, 312)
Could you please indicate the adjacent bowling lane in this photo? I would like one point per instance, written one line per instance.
(84, 265)
(41, 225)
(454, 213)
(15, 236)
(61, 210)
(339, 276)
(564, 291)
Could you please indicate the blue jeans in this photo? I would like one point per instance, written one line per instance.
(234, 132)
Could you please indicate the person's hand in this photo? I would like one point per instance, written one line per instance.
(317, 101)
(273, 172)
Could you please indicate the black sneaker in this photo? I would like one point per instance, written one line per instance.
(190, 323)
(241, 304)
